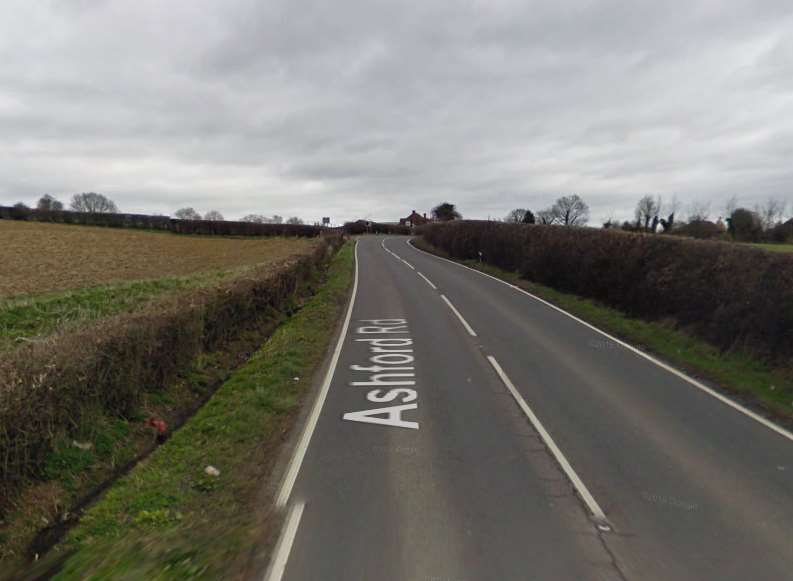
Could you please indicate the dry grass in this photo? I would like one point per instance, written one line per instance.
(38, 257)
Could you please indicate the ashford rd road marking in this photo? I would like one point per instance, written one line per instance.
(389, 370)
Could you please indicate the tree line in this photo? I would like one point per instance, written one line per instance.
(763, 222)
(565, 211)
(94, 203)
(652, 215)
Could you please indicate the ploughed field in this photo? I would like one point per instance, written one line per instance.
(54, 276)
(39, 257)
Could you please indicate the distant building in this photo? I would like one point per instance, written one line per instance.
(415, 219)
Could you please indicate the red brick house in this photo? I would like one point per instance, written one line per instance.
(415, 219)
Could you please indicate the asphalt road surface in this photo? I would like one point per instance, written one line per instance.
(470, 431)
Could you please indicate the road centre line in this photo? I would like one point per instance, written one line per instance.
(428, 281)
(300, 451)
(382, 243)
(592, 505)
(459, 316)
(281, 555)
(395, 255)
(690, 380)
(594, 508)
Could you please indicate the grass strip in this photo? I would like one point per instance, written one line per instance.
(37, 316)
(168, 518)
(740, 373)
(773, 246)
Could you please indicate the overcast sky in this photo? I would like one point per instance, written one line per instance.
(371, 109)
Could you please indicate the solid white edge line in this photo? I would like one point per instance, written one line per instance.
(284, 547)
(688, 379)
(428, 281)
(578, 484)
(311, 424)
(459, 316)
(410, 266)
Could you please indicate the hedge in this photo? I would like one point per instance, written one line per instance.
(364, 227)
(732, 295)
(208, 227)
(48, 388)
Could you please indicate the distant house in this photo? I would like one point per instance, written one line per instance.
(415, 219)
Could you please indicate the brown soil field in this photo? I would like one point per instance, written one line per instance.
(36, 257)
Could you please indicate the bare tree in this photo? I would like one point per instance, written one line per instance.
(262, 219)
(673, 206)
(699, 212)
(771, 213)
(647, 211)
(570, 211)
(187, 214)
(516, 216)
(94, 203)
(730, 206)
(546, 217)
(668, 223)
(294, 220)
(49, 203)
(214, 216)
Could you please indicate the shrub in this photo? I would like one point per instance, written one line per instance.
(362, 227)
(782, 232)
(733, 296)
(20, 211)
(745, 226)
(700, 229)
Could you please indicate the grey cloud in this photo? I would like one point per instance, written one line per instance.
(376, 108)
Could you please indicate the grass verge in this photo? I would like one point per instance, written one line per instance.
(740, 373)
(31, 317)
(168, 518)
(773, 247)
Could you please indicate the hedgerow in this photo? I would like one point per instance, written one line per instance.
(49, 388)
(734, 296)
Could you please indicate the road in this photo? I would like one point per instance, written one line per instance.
(469, 431)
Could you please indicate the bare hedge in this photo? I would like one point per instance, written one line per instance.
(207, 227)
(732, 295)
(47, 389)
